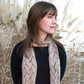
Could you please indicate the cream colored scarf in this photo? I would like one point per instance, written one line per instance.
(29, 65)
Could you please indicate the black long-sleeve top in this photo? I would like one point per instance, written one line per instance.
(43, 74)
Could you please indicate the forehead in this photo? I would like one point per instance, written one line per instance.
(52, 12)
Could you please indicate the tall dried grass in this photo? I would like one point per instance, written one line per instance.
(13, 30)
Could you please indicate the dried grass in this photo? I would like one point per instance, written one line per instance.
(11, 33)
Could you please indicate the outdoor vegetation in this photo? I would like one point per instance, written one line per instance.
(69, 32)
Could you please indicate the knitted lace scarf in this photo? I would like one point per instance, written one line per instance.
(29, 65)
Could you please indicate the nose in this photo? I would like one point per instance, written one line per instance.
(54, 21)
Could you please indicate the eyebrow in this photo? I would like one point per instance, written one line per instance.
(51, 14)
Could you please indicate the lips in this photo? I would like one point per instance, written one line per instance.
(52, 27)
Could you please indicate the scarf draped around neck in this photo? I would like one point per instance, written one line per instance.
(29, 65)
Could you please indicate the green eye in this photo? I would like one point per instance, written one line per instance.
(50, 16)
(55, 18)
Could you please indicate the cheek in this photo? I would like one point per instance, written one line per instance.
(44, 23)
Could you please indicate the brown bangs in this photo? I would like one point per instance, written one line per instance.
(52, 11)
(47, 8)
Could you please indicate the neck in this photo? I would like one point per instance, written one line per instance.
(43, 40)
(42, 37)
(34, 44)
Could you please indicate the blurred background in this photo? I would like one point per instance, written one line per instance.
(70, 32)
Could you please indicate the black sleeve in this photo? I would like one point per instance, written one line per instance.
(16, 66)
(63, 59)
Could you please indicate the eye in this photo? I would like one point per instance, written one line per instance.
(55, 17)
(50, 16)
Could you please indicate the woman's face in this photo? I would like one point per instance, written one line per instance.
(47, 24)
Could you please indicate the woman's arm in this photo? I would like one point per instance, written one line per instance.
(63, 61)
(16, 66)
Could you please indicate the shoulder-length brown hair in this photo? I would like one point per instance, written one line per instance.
(36, 12)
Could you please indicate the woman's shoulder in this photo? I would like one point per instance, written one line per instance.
(18, 44)
(16, 55)
(18, 47)
(61, 49)
(59, 45)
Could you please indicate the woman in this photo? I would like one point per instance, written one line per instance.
(39, 58)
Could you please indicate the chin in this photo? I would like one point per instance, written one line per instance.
(51, 33)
